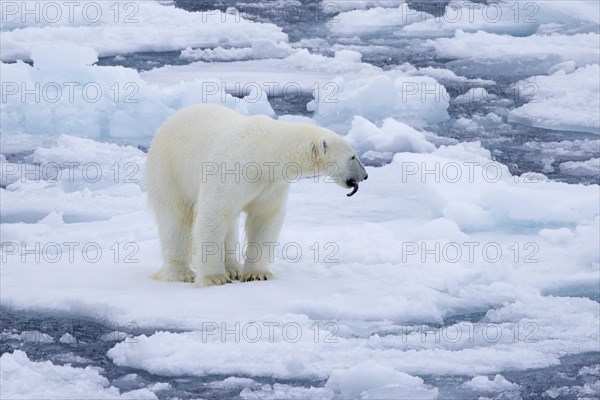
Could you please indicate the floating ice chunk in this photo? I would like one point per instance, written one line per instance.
(64, 358)
(578, 148)
(61, 56)
(115, 336)
(77, 163)
(83, 150)
(393, 137)
(581, 48)
(255, 103)
(319, 44)
(475, 95)
(25, 379)
(234, 382)
(541, 341)
(464, 184)
(567, 67)
(374, 20)
(36, 337)
(216, 54)
(562, 15)
(80, 102)
(103, 102)
(129, 27)
(498, 385)
(517, 66)
(157, 387)
(515, 18)
(441, 74)
(376, 158)
(562, 102)
(472, 17)
(262, 48)
(591, 371)
(282, 391)
(417, 101)
(590, 167)
(555, 392)
(466, 124)
(67, 338)
(349, 56)
(557, 235)
(9, 335)
(347, 5)
(373, 380)
(299, 73)
(343, 62)
(139, 394)
(53, 220)
(24, 143)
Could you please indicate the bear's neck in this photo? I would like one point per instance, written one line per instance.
(295, 142)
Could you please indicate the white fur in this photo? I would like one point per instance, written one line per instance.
(203, 171)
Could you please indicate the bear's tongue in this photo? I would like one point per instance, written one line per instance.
(354, 190)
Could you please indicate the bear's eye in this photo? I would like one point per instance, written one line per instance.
(353, 158)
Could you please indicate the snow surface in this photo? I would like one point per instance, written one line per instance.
(399, 290)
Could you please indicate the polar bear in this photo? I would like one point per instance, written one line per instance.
(207, 164)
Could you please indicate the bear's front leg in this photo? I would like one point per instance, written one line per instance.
(263, 224)
(210, 229)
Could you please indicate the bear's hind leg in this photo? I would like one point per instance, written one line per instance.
(174, 225)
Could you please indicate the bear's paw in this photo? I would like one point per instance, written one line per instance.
(233, 271)
(257, 276)
(214, 280)
(170, 275)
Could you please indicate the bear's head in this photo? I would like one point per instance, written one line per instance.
(335, 158)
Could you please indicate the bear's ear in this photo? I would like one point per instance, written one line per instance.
(319, 149)
(323, 146)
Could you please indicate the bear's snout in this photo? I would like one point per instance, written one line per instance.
(353, 181)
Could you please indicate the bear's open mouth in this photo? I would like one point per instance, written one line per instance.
(354, 187)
